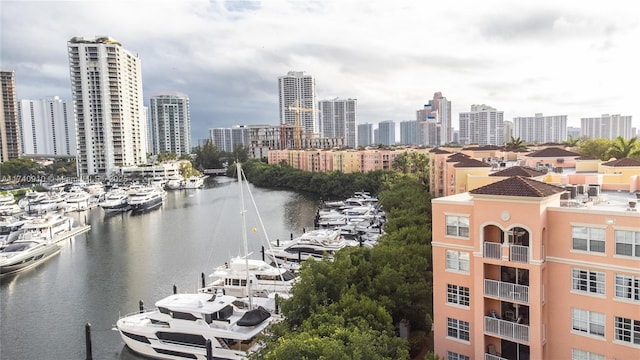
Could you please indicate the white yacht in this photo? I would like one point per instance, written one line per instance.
(174, 182)
(25, 253)
(77, 200)
(194, 182)
(313, 244)
(181, 324)
(145, 198)
(9, 226)
(50, 202)
(50, 227)
(265, 279)
(8, 205)
(115, 200)
(31, 198)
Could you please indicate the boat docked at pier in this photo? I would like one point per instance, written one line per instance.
(51, 227)
(26, 253)
(77, 200)
(194, 182)
(115, 200)
(145, 198)
(181, 325)
(9, 229)
(175, 182)
(313, 244)
(8, 205)
(265, 279)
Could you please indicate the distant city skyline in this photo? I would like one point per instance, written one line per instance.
(226, 55)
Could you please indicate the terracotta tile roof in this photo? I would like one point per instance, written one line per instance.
(553, 152)
(623, 162)
(484, 147)
(439, 151)
(519, 186)
(457, 157)
(469, 162)
(524, 171)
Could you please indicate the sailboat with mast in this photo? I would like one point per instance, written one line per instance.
(197, 325)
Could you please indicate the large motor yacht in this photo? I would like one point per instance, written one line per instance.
(181, 324)
(25, 253)
(263, 278)
(115, 200)
(313, 244)
(145, 198)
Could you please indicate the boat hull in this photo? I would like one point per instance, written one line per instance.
(147, 205)
(26, 261)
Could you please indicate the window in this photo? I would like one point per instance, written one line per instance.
(585, 355)
(588, 239)
(457, 261)
(588, 322)
(458, 295)
(588, 281)
(456, 356)
(458, 329)
(628, 243)
(457, 226)
(628, 287)
(627, 330)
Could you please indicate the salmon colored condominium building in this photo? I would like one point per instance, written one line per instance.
(524, 269)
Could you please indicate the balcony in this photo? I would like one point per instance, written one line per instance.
(493, 250)
(493, 357)
(506, 291)
(506, 329)
(519, 253)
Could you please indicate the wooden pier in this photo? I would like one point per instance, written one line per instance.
(71, 233)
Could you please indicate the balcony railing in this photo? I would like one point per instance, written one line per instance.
(506, 291)
(506, 329)
(493, 250)
(493, 357)
(519, 253)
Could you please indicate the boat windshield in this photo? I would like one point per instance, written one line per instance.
(21, 246)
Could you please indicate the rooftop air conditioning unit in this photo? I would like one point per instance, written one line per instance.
(632, 206)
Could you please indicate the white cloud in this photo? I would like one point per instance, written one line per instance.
(518, 57)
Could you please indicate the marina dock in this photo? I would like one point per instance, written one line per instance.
(71, 233)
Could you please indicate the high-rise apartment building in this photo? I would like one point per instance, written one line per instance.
(9, 125)
(170, 127)
(483, 125)
(48, 127)
(297, 102)
(527, 270)
(435, 120)
(606, 127)
(387, 132)
(227, 139)
(365, 134)
(409, 133)
(508, 130)
(339, 118)
(540, 129)
(106, 86)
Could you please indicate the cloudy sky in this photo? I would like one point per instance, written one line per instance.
(575, 58)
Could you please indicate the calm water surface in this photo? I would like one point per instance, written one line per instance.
(128, 257)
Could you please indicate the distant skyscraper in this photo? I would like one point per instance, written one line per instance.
(540, 129)
(387, 132)
(227, 139)
(339, 118)
(170, 123)
(298, 88)
(606, 127)
(9, 125)
(483, 125)
(573, 132)
(48, 127)
(508, 130)
(106, 86)
(409, 132)
(438, 112)
(365, 134)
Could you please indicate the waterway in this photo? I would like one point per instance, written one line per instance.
(103, 274)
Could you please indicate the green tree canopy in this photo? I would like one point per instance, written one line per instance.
(621, 148)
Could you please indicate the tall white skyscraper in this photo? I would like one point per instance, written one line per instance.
(540, 129)
(435, 121)
(170, 126)
(409, 131)
(106, 86)
(47, 126)
(606, 127)
(483, 125)
(339, 118)
(365, 134)
(298, 89)
(227, 139)
(387, 132)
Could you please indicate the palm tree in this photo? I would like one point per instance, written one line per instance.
(515, 144)
(621, 148)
